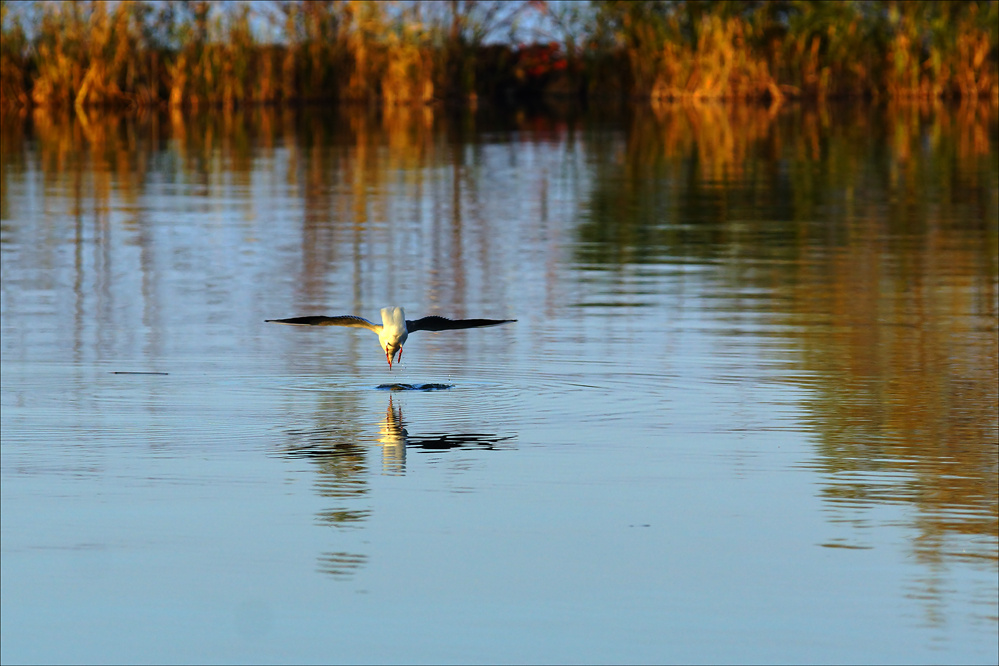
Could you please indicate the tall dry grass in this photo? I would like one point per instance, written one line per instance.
(808, 48)
(195, 53)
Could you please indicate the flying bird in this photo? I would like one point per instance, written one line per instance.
(395, 328)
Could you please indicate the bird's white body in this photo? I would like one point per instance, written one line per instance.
(392, 333)
(395, 328)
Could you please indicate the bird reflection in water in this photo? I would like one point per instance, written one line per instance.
(394, 439)
(339, 451)
(341, 455)
(341, 565)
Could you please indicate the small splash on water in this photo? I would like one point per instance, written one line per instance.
(414, 387)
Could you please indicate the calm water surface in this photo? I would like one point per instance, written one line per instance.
(747, 412)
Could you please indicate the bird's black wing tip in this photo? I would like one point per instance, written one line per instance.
(435, 323)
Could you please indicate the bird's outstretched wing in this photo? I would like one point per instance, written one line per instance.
(342, 320)
(435, 323)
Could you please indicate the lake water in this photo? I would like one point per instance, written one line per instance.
(747, 412)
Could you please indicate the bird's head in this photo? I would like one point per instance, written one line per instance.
(391, 349)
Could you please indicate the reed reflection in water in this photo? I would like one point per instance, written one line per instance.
(877, 265)
(719, 306)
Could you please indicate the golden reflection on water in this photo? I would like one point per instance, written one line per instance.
(905, 377)
(872, 231)
(901, 342)
(879, 266)
(392, 438)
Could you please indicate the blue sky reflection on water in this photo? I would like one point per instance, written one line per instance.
(695, 445)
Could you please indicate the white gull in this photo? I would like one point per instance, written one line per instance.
(395, 328)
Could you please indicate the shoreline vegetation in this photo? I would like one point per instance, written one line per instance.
(196, 54)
